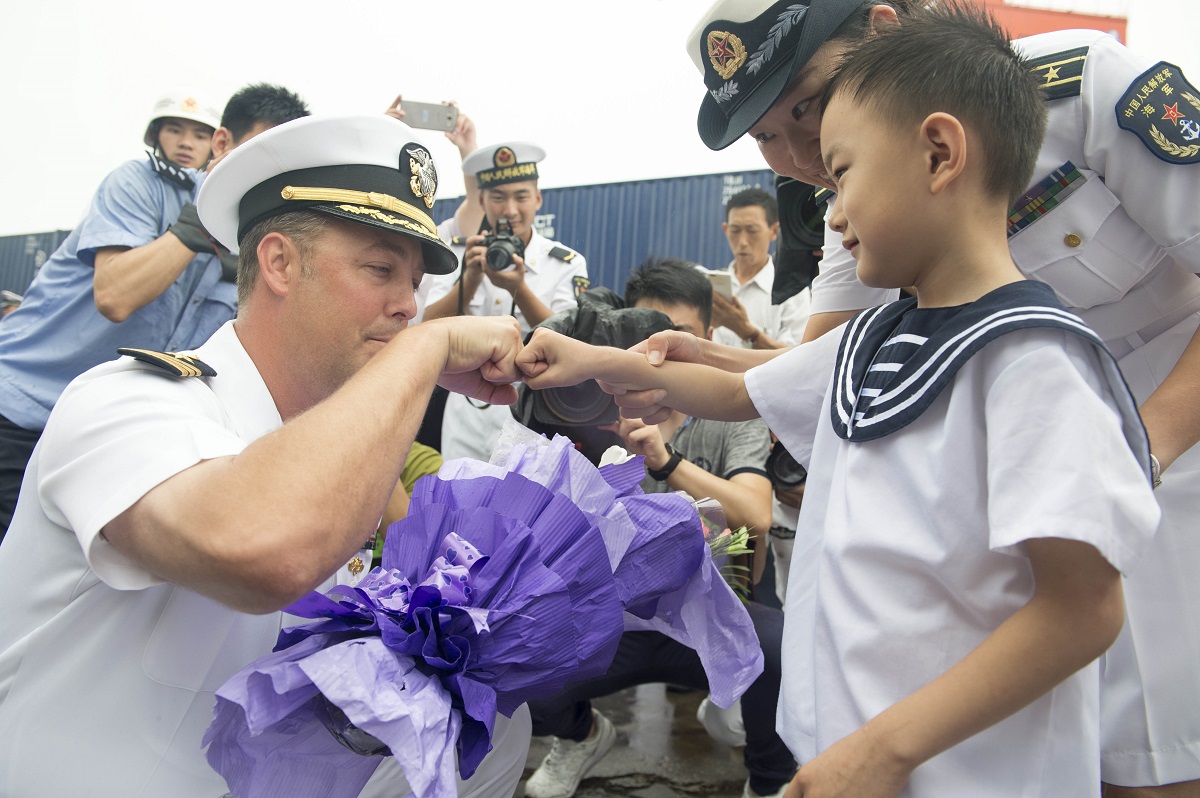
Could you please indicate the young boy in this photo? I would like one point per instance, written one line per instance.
(978, 470)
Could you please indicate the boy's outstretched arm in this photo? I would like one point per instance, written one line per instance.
(1074, 615)
(552, 360)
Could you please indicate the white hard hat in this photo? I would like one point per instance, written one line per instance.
(180, 106)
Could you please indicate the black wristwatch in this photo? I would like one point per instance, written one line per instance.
(668, 468)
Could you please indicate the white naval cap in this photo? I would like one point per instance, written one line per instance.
(370, 169)
(498, 164)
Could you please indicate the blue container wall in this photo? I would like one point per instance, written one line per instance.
(22, 256)
(616, 226)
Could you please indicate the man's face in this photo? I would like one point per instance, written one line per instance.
(185, 142)
(517, 202)
(685, 318)
(749, 235)
(355, 292)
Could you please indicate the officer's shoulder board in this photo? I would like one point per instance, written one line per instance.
(1060, 74)
(821, 195)
(173, 364)
(172, 173)
(458, 241)
(559, 252)
(1162, 109)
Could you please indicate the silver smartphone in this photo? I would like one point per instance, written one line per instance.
(429, 116)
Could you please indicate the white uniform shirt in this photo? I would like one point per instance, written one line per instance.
(783, 322)
(1122, 252)
(467, 430)
(922, 549)
(107, 674)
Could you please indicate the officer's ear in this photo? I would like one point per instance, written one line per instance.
(222, 145)
(278, 263)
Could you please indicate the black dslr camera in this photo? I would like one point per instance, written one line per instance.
(578, 411)
(501, 246)
(783, 470)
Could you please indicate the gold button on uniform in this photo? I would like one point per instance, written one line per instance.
(1072, 240)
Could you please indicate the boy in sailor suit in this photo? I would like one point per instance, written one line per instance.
(979, 473)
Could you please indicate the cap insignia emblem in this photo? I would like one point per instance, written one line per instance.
(789, 17)
(725, 52)
(424, 175)
(504, 157)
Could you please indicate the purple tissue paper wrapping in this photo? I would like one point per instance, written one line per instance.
(504, 583)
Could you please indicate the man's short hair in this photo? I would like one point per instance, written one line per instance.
(749, 197)
(303, 228)
(261, 103)
(954, 58)
(671, 281)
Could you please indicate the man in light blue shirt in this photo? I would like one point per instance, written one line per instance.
(139, 271)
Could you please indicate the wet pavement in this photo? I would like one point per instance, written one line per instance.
(662, 751)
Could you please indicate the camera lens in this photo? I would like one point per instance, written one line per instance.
(500, 255)
(783, 470)
(580, 404)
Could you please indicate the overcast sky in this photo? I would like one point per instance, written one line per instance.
(606, 87)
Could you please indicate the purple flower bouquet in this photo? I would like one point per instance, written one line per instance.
(506, 582)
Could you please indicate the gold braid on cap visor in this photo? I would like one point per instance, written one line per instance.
(370, 198)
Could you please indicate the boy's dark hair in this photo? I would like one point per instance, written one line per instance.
(261, 103)
(672, 281)
(954, 58)
(749, 197)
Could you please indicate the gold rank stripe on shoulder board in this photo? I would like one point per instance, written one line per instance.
(173, 364)
(1060, 74)
(563, 254)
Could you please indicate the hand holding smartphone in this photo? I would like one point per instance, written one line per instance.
(429, 116)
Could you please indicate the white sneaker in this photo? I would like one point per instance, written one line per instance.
(749, 793)
(723, 725)
(568, 761)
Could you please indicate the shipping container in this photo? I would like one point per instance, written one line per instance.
(22, 256)
(616, 226)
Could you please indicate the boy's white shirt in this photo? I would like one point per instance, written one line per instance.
(921, 556)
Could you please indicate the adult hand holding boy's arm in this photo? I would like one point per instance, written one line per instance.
(551, 360)
(1074, 615)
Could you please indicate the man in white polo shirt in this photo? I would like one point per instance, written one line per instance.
(749, 319)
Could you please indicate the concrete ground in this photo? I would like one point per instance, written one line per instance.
(661, 751)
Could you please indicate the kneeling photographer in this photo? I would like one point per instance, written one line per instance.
(508, 268)
(707, 459)
(714, 459)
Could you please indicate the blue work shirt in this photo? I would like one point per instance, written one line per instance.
(57, 333)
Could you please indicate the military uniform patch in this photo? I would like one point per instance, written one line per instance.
(1163, 110)
(563, 254)
(173, 364)
(580, 284)
(172, 173)
(1060, 74)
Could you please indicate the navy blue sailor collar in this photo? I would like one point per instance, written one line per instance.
(894, 360)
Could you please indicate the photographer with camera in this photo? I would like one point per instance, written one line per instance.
(507, 270)
(716, 459)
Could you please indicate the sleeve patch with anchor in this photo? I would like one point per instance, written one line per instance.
(1163, 110)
